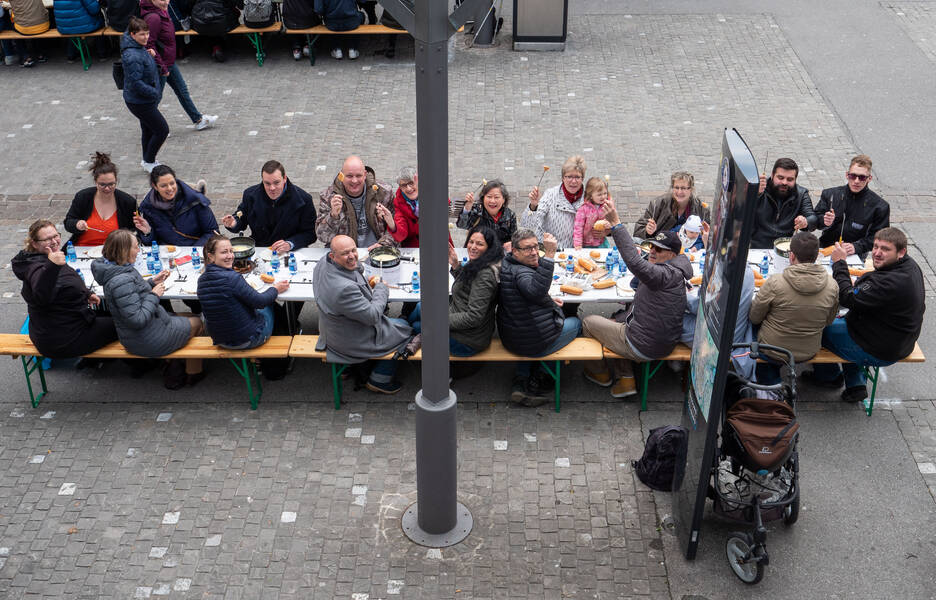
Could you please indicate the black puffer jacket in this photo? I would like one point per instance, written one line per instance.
(865, 214)
(885, 307)
(215, 17)
(527, 318)
(505, 226)
(654, 322)
(775, 219)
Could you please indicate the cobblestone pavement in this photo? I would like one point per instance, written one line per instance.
(918, 19)
(297, 500)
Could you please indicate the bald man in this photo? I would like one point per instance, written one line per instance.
(357, 206)
(352, 325)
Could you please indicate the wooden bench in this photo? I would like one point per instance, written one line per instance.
(78, 39)
(303, 346)
(682, 352)
(19, 345)
(253, 35)
(312, 34)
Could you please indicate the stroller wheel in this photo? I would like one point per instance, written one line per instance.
(791, 512)
(741, 558)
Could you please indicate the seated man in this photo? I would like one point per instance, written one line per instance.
(529, 322)
(794, 306)
(357, 206)
(352, 325)
(885, 314)
(852, 213)
(653, 323)
(280, 214)
(783, 206)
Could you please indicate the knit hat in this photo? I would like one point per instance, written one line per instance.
(693, 224)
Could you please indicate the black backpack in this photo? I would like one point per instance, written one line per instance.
(300, 14)
(664, 455)
(214, 17)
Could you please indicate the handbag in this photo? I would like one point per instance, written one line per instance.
(118, 73)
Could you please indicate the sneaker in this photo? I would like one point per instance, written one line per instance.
(297, 53)
(623, 387)
(206, 121)
(602, 378)
(353, 54)
(305, 51)
(10, 60)
(202, 186)
(337, 54)
(390, 387)
(148, 167)
(537, 390)
(854, 394)
(833, 384)
(29, 62)
(218, 54)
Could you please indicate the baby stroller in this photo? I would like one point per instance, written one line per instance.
(755, 477)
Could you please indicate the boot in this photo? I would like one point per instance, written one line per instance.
(537, 389)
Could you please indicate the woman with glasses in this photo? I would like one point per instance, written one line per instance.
(554, 211)
(670, 211)
(62, 323)
(98, 210)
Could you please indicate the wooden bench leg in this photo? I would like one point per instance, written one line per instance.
(248, 370)
(83, 51)
(31, 364)
(554, 373)
(336, 371)
(257, 43)
(872, 374)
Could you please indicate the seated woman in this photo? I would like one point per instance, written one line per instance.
(236, 315)
(174, 213)
(98, 210)
(62, 323)
(670, 211)
(492, 212)
(143, 326)
(474, 294)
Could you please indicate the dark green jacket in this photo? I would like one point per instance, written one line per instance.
(471, 310)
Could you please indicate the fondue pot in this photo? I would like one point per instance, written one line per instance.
(781, 248)
(384, 257)
(243, 247)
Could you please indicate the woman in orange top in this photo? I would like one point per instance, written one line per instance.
(97, 211)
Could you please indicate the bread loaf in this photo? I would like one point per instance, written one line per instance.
(570, 289)
(586, 263)
(266, 278)
(595, 254)
(604, 283)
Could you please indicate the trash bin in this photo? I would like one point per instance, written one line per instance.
(540, 24)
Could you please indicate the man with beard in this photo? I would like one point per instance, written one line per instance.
(783, 207)
(852, 213)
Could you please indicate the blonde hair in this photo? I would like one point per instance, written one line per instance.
(862, 160)
(593, 185)
(682, 176)
(574, 163)
(32, 236)
(117, 246)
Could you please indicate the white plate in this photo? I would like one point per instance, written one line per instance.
(264, 254)
(624, 290)
(93, 252)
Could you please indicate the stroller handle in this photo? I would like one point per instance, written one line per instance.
(755, 349)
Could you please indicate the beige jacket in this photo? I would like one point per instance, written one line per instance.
(793, 307)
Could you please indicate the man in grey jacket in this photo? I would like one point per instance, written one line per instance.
(653, 323)
(352, 325)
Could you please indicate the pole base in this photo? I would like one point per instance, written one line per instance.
(463, 525)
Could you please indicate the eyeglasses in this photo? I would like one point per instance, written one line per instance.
(524, 249)
(857, 176)
(57, 236)
(679, 188)
(572, 177)
(107, 186)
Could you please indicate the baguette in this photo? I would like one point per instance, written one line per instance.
(266, 278)
(579, 270)
(827, 251)
(858, 272)
(586, 263)
(570, 289)
(604, 283)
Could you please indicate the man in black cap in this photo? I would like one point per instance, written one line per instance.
(653, 322)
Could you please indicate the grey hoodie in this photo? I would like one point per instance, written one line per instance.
(143, 326)
(794, 307)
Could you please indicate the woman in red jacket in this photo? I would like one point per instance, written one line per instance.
(406, 209)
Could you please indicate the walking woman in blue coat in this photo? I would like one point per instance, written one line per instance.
(236, 315)
(141, 89)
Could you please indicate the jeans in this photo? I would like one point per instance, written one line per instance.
(259, 338)
(571, 327)
(456, 348)
(153, 127)
(835, 338)
(177, 83)
(384, 370)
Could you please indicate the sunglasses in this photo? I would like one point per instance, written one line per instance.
(857, 176)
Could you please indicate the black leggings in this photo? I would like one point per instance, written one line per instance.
(99, 333)
(154, 128)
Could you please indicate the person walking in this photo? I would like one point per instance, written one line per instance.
(163, 41)
(141, 89)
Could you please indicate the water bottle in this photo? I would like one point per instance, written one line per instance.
(155, 250)
(415, 282)
(615, 268)
(274, 263)
(293, 266)
(570, 266)
(151, 267)
(196, 259)
(70, 255)
(702, 263)
(764, 265)
(80, 275)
